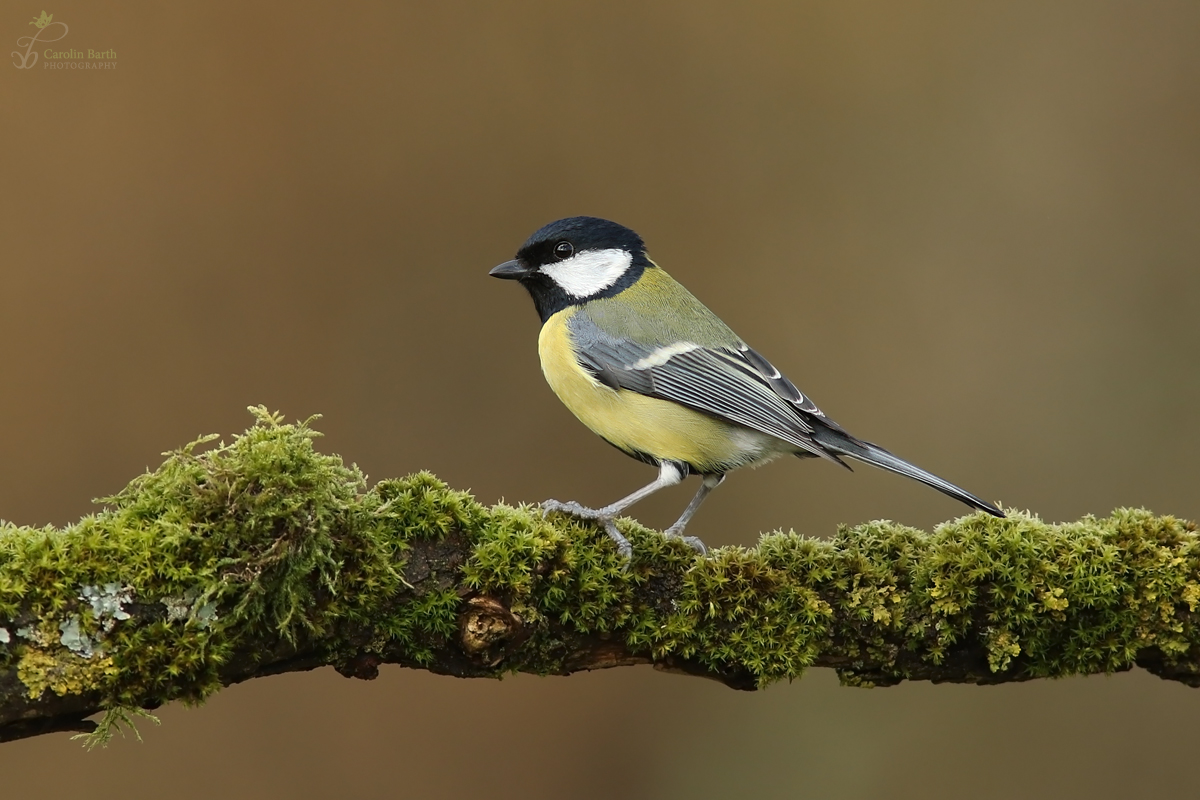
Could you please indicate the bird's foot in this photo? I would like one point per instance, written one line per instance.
(691, 541)
(573, 509)
(606, 519)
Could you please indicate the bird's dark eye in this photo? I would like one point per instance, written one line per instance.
(563, 250)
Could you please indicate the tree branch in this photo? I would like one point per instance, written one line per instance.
(263, 556)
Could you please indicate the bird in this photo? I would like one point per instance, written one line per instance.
(651, 370)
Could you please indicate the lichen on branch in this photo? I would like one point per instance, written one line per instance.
(261, 555)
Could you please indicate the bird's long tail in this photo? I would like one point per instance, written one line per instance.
(843, 444)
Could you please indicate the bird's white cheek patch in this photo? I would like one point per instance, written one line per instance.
(584, 274)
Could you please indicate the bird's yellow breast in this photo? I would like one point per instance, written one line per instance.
(636, 423)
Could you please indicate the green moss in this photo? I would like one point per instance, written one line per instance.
(265, 539)
(262, 534)
(115, 720)
(1040, 600)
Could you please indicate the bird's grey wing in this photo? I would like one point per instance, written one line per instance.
(779, 382)
(736, 383)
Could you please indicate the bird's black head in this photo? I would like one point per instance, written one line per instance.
(575, 260)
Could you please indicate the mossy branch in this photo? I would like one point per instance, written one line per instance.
(263, 556)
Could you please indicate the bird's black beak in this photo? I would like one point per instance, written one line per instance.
(509, 271)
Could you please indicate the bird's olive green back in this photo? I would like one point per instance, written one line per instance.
(656, 311)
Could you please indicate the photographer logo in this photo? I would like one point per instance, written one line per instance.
(48, 32)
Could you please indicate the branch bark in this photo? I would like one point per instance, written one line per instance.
(262, 556)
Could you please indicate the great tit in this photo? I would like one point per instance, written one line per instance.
(650, 369)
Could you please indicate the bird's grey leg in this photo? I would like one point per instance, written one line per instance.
(669, 474)
(709, 483)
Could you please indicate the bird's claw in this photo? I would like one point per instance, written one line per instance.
(624, 548)
(574, 509)
(691, 541)
(571, 508)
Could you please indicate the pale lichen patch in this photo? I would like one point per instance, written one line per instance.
(107, 602)
(76, 640)
(178, 608)
(36, 635)
(188, 607)
(206, 614)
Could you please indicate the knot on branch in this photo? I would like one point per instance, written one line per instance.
(485, 626)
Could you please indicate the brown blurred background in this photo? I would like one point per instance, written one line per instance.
(970, 230)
